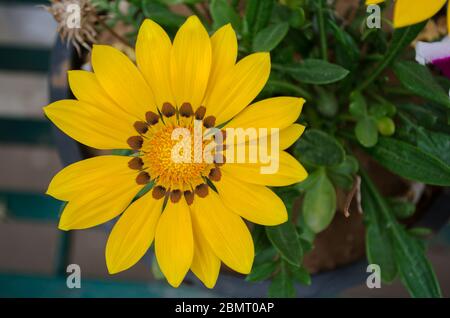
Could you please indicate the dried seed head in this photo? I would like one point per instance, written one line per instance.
(168, 110)
(151, 118)
(83, 34)
(175, 196)
(200, 113)
(158, 192)
(143, 178)
(202, 190)
(135, 142)
(141, 127)
(189, 197)
(186, 110)
(136, 163)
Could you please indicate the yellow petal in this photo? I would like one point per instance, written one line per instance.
(190, 62)
(276, 112)
(123, 82)
(153, 48)
(290, 135)
(224, 53)
(133, 234)
(369, 2)
(100, 204)
(253, 202)
(174, 243)
(238, 87)
(90, 125)
(409, 12)
(205, 264)
(225, 232)
(448, 19)
(290, 171)
(83, 175)
(86, 88)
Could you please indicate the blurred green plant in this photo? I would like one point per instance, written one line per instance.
(338, 65)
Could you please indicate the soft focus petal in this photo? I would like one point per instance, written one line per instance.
(190, 62)
(121, 79)
(174, 243)
(238, 87)
(225, 232)
(83, 175)
(205, 264)
(290, 135)
(289, 171)
(276, 112)
(153, 47)
(133, 234)
(99, 205)
(90, 125)
(86, 88)
(253, 202)
(224, 53)
(436, 53)
(409, 12)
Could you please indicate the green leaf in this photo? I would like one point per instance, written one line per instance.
(222, 13)
(261, 272)
(161, 14)
(257, 14)
(358, 105)
(401, 39)
(286, 240)
(414, 268)
(420, 232)
(267, 39)
(410, 162)
(348, 167)
(319, 204)
(419, 80)
(379, 245)
(319, 148)
(301, 275)
(434, 143)
(327, 103)
(347, 51)
(401, 209)
(318, 72)
(366, 132)
(282, 285)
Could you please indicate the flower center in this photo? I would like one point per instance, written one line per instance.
(171, 155)
(167, 161)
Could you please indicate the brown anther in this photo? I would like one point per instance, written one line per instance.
(200, 113)
(135, 142)
(215, 174)
(141, 127)
(158, 192)
(136, 163)
(175, 196)
(221, 162)
(143, 178)
(209, 122)
(189, 197)
(151, 118)
(186, 110)
(168, 110)
(202, 190)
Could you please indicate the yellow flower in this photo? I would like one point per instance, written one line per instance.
(121, 106)
(409, 12)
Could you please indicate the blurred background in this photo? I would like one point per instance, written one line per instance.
(33, 252)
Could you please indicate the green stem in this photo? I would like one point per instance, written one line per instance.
(290, 87)
(322, 31)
